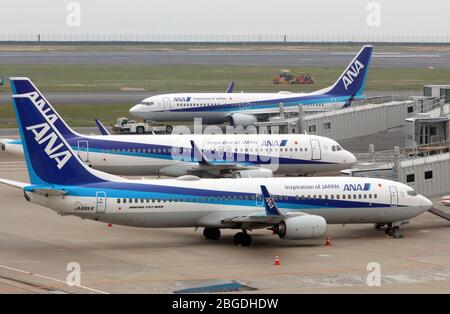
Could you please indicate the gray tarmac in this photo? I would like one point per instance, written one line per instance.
(275, 58)
(36, 246)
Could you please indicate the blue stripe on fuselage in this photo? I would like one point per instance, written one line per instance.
(130, 190)
(264, 104)
(165, 152)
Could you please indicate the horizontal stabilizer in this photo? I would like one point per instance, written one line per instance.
(16, 184)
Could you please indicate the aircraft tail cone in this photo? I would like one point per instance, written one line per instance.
(277, 261)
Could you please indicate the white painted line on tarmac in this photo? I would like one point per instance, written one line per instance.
(50, 278)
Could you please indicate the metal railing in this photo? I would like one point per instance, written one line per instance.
(226, 38)
(404, 153)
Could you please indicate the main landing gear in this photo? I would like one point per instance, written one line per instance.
(393, 232)
(211, 233)
(242, 238)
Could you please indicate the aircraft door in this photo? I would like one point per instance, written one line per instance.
(394, 196)
(316, 153)
(83, 150)
(101, 203)
(259, 201)
(166, 103)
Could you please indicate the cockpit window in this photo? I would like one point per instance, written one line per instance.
(338, 148)
(411, 193)
(147, 103)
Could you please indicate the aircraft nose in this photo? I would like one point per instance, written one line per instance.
(426, 203)
(349, 158)
(137, 111)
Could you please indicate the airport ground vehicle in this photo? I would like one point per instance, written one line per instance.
(125, 125)
(286, 77)
(299, 208)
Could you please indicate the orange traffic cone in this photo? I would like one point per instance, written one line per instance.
(109, 225)
(277, 261)
(327, 240)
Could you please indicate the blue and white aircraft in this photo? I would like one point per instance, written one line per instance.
(230, 155)
(293, 208)
(243, 109)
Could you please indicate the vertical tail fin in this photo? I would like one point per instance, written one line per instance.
(50, 159)
(353, 80)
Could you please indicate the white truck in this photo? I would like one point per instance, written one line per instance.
(125, 125)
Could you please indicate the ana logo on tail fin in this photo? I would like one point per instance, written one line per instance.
(50, 159)
(353, 80)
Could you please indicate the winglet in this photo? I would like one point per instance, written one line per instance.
(230, 88)
(198, 154)
(269, 203)
(101, 127)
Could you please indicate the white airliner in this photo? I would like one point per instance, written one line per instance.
(293, 208)
(231, 155)
(243, 109)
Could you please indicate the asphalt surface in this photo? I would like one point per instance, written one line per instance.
(275, 58)
(37, 245)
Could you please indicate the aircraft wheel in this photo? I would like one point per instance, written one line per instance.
(211, 233)
(242, 239)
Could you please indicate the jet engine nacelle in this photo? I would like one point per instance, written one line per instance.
(253, 173)
(302, 227)
(244, 120)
